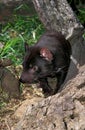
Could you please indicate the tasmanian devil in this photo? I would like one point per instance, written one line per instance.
(49, 57)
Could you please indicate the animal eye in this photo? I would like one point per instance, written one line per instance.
(30, 66)
(35, 68)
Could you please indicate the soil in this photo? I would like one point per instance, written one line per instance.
(13, 109)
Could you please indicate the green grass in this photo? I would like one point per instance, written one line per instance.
(81, 15)
(14, 34)
(80, 6)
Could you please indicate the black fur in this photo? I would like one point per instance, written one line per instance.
(49, 57)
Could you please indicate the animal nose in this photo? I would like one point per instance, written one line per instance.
(21, 80)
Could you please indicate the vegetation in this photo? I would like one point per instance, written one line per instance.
(25, 29)
(78, 7)
(14, 34)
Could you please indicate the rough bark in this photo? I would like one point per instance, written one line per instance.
(59, 16)
(64, 111)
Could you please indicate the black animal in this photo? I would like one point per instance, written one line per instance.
(49, 57)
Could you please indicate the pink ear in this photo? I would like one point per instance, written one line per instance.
(44, 52)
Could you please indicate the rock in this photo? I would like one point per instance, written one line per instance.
(9, 83)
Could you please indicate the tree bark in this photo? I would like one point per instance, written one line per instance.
(58, 15)
(64, 111)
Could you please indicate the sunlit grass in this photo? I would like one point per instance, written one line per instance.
(14, 34)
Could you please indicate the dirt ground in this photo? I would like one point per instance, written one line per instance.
(13, 110)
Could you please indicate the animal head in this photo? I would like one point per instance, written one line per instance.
(37, 64)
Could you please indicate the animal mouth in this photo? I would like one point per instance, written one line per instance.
(28, 82)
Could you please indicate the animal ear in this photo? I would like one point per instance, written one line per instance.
(46, 53)
(26, 47)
